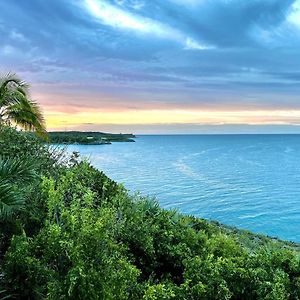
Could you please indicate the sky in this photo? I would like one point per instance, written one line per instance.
(158, 66)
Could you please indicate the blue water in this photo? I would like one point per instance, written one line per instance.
(248, 181)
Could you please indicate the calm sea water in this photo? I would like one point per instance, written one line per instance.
(248, 181)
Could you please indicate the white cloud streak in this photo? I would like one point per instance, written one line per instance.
(294, 16)
(118, 18)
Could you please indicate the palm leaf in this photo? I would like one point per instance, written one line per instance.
(10, 82)
(16, 170)
(16, 106)
(27, 114)
(10, 199)
(13, 172)
(4, 295)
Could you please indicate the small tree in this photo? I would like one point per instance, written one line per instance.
(17, 107)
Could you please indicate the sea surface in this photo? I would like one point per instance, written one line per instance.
(248, 181)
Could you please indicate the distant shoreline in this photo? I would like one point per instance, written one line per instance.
(89, 138)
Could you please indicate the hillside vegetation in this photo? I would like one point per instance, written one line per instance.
(67, 231)
(88, 138)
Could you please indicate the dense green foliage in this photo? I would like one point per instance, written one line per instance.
(80, 235)
(14, 172)
(88, 138)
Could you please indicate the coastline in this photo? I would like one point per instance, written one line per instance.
(89, 138)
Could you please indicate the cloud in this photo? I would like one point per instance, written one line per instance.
(15, 35)
(118, 18)
(138, 54)
(192, 44)
(294, 16)
(7, 50)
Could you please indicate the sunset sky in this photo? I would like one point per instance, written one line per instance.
(158, 66)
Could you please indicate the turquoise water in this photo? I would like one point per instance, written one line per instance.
(248, 181)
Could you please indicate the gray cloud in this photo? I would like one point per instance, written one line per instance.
(254, 59)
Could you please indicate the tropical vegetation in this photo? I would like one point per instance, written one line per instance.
(70, 232)
(67, 231)
(88, 138)
(17, 107)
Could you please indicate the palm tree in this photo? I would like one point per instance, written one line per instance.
(16, 106)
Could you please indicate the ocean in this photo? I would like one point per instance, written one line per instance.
(248, 181)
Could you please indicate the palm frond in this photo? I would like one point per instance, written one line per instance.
(12, 81)
(10, 199)
(16, 170)
(4, 295)
(150, 206)
(11, 97)
(27, 114)
(16, 106)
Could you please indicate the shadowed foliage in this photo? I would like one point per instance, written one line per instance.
(14, 172)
